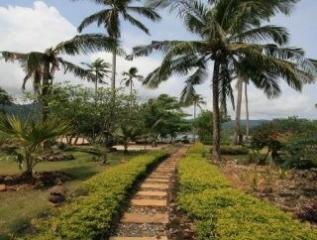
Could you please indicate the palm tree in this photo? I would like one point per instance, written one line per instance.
(100, 70)
(129, 78)
(227, 30)
(194, 100)
(41, 66)
(29, 138)
(110, 17)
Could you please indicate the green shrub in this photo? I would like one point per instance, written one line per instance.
(233, 150)
(92, 216)
(223, 213)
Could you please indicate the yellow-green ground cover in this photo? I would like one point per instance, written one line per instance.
(223, 213)
(91, 215)
(18, 208)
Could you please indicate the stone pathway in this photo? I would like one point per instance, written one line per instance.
(149, 212)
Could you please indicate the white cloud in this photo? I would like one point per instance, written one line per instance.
(26, 29)
(41, 26)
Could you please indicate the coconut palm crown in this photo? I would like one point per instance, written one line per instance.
(227, 32)
(41, 66)
(110, 18)
(100, 70)
(130, 76)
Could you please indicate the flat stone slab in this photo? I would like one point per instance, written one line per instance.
(157, 186)
(142, 218)
(149, 203)
(138, 238)
(151, 194)
(156, 180)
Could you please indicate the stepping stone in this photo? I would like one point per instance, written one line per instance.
(151, 194)
(138, 238)
(142, 218)
(148, 203)
(156, 180)
(157, 186)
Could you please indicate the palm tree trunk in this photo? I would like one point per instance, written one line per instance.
(114, 69)
(131, 88)
(194, 130)
(45, 91)
(96, 88)
(238, 135)
(216, 113)
(247, 109)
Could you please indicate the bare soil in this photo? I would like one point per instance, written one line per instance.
(294, 191)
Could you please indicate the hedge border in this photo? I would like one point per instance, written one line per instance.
(93, 216)
(220, 212)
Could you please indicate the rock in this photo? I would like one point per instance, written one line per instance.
(3, 188)
(57, 194)
(61, 190)
(56, 199)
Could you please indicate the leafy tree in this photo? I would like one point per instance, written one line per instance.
(95, 117)
(290, 142)
(100, 71)
(28, 138)
(163, 117)
(110, 18)
(129, 78)
(41, 66)
(195, 100)
(201, 123)
(131, 124)
(227, 30)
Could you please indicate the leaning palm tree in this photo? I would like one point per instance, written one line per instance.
(100, 70)
(41, 66)
(226, 30)
(129, 78)
(110, 17)
(195, 100)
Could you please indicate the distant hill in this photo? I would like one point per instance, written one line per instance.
(252, 123)
(23, 110)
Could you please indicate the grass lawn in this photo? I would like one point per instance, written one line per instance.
(18, 208)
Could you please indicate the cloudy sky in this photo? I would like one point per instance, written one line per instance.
(27, 25)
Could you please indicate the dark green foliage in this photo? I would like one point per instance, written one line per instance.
(163, 117)
(91, 216)
(203, 126)
(290, 142)
(233, 150)
(223, 213)
(5, 98)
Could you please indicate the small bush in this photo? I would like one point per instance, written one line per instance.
(233, 150)
(92, 216)
(223, 213)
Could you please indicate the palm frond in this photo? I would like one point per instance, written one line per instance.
(87, 43)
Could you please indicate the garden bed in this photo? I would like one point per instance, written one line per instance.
(291, 190)
(92, 215)
(224, 213)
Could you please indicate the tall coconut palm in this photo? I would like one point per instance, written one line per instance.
(129, 78)
(41, 66)
(100, 70)
(110, 18)
(195, 100)
(226, 30)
